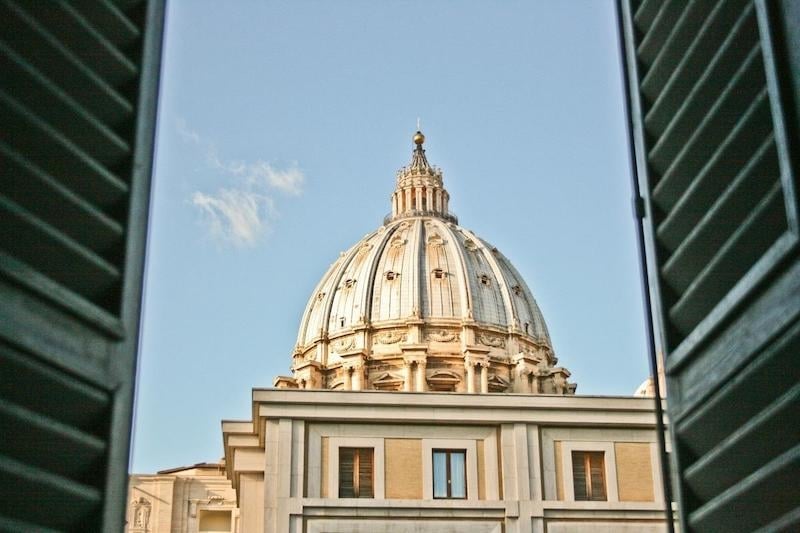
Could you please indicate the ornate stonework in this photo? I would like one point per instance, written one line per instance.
(419, 293)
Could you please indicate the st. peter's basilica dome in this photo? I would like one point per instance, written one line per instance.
(424, 304)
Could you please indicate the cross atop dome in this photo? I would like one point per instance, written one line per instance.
(420, 190)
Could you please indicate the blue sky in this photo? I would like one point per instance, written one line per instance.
(281, 126)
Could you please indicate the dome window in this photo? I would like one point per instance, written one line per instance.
(438, 273)
(341, 321)
(517, 290)
(527, 327)
(484, 280)
(348, 283)
(391, 276)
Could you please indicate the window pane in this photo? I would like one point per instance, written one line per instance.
(458, 481)
(440, 474)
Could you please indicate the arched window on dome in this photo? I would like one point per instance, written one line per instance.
(438, 273)
(391, 275)
(484, 280)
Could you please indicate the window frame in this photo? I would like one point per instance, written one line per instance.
(448, 475)
(586, 457)
(456, 443)
(567, 447)
(358, 451)
(332, 461)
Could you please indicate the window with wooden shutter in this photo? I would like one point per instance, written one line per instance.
(356, 474)
(713, 94)
(589, 476)
(77, 107)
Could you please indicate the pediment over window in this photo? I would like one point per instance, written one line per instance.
(498, 384)
(387, 381)
(444, 381)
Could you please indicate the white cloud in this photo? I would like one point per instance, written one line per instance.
(186, 133)
(236, 216)
(241, 212)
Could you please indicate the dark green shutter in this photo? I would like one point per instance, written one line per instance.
(714, 88)
(78, 87)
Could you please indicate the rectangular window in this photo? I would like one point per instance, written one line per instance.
(450, 474)
(355, 472)
(588, 476)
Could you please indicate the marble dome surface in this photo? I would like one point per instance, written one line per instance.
(424, 304)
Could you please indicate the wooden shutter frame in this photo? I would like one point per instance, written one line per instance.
(779, 85)
(42, 321)
(780, 44)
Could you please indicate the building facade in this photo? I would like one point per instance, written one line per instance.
(191, 499)
(425, 395)
(439, 462)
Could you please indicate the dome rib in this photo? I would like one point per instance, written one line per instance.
(489, 255)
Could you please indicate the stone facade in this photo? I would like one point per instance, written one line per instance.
(193, 499)
(518, 449)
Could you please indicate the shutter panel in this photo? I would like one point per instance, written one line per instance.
(597, 471)
(365, 473)
(579, 476)
(347, 463)
(713, 91)
(77, 108)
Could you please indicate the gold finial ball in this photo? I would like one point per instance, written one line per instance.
(419, 138)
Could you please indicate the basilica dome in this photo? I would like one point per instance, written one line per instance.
(424, 304)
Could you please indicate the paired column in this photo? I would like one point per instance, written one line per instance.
(484, 377)
(422, 383)
(408, 384)
(470, 367)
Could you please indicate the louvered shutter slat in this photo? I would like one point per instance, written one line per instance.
(686, 27)
(738, 159)
(35, 138)
(68, 504)
(721, 220)
(41, 194)
(109, 20)
(646, 14)
(722, 25)
(50, 103)
(767, 491)
(660, 29)
(730, 460)
(749, 242)
(705, 120)
(52, 253)
(96, 52)
(29, 38)
(365, 473)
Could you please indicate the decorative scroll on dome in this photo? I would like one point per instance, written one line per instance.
(344, 344)
(442, 335)
(390, 337)
(494, 341)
